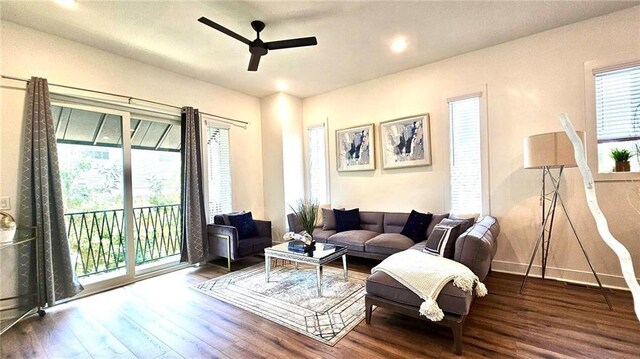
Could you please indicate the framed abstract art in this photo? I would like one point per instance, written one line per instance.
(406, 142)
(355, 148)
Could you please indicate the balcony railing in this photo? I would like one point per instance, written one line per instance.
(98, 242)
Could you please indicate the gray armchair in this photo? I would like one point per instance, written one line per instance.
(225, 242)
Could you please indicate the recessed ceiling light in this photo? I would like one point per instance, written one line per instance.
(399, 45)
(282, 86)
(69, 4)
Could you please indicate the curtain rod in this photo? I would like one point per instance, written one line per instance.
(125, 96)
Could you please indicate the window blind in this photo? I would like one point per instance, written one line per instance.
(618, 105)
(317, 165)
(465, 155)
(219, 171)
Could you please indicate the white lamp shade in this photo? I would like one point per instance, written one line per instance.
(550, 150)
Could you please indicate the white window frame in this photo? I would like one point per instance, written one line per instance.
(481, 93)
(205, 124)
(326, 162)
(590, 68)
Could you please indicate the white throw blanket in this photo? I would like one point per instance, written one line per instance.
(426, 275)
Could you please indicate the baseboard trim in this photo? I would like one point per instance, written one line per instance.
(562, 274)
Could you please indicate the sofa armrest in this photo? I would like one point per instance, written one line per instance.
(264, 228)
(477, 246)
(217, 235)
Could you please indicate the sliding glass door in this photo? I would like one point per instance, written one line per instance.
(121, 187)
(155, 170)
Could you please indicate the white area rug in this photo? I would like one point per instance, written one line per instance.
(290, 298)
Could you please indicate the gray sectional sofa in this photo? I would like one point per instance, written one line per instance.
(378, 238)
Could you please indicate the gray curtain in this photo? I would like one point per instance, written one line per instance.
(41, 196)
(194, 224)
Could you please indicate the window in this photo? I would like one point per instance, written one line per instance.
(617, 114)
(467, 155)
(219, 169)
(317, 165)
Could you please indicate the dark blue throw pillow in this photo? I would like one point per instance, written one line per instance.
(416, 226)
(347, 220)
(244, 224)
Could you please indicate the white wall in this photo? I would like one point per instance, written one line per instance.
(530, 81)
(26, 52)
(292, 142)
(282, 158)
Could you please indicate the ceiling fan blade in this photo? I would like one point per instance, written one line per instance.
(223, 29)
(254, 62)
(285, 44)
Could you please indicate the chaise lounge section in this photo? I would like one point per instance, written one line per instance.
(380, 236)
(475, 249)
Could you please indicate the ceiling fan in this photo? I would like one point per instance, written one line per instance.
(257, 47)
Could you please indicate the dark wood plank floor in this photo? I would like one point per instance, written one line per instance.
(162, 318)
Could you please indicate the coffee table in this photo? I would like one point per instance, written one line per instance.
(324, 253)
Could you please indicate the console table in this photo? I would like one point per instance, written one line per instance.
(15, 307)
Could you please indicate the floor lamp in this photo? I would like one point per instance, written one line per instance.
(549, 152)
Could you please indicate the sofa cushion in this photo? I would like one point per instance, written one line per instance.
(244, 224)
(416, 226)
(465, 223)
(388, 243)
(320, 235)
(320, 215)
(353, 240)
(394, 222)
(473, 216)
(435, 219)
(442, 241)
(347, 220)
(328, 219)
(225, 217)
(451, 299)
(372, 221)
(419, 246)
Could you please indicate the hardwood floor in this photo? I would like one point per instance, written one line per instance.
(162, 318)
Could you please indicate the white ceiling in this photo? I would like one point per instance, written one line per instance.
(353, 37)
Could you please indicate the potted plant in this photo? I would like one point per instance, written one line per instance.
(306, 212)
(621, 156)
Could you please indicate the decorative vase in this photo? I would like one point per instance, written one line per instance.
(7, 227)
(310, 247)
(622, 166)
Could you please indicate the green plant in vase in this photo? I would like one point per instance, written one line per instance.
(306, 212)
(621, 156)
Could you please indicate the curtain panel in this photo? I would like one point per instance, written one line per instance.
(41, 203)
(194, 224)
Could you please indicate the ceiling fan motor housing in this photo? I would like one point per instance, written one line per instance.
(257, 46)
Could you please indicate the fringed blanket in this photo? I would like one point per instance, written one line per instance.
(426, 275)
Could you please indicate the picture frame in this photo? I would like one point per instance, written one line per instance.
(406, 142)
(355, 148)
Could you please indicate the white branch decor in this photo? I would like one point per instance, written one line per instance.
(601, 222)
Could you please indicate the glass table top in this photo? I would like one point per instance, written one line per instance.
(322, 250)
(16, 236)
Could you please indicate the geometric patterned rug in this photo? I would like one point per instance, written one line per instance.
(290, 298)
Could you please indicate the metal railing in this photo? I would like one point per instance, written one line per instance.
(98, 243)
